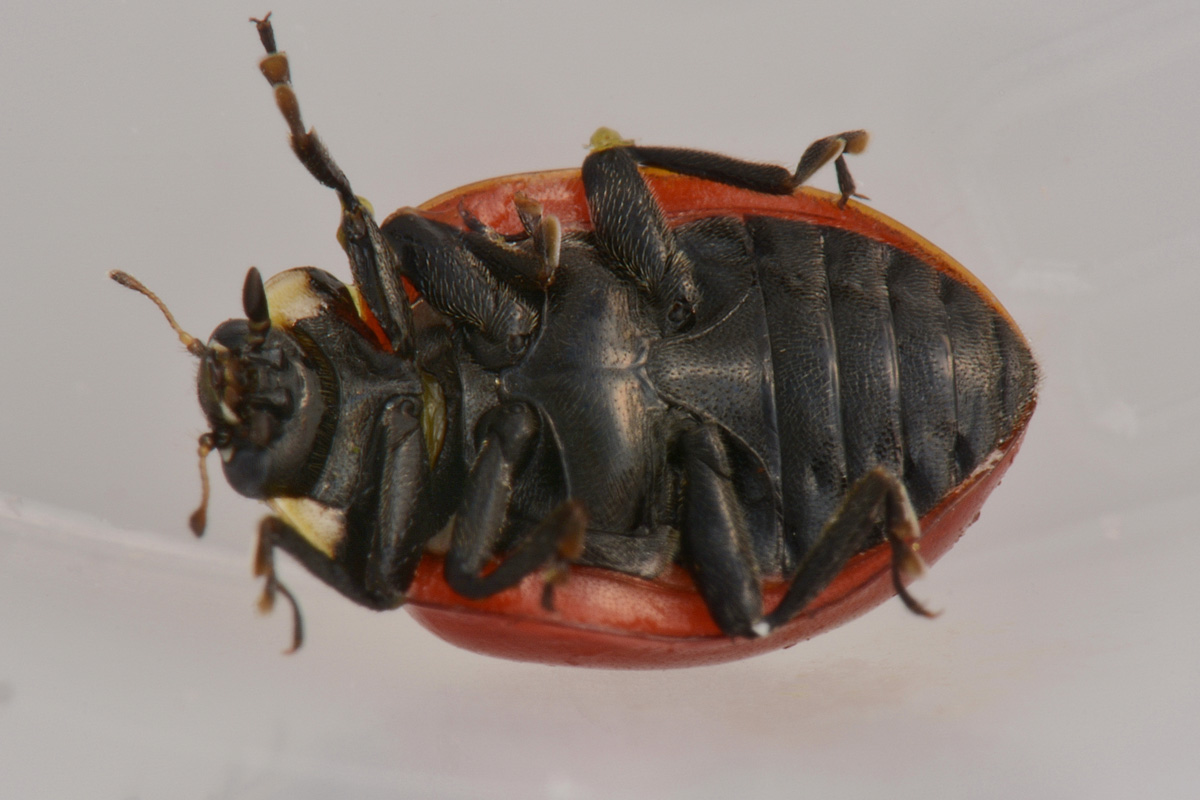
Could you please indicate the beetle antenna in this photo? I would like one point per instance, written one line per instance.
(265, 32)
(199, 518)
(372, 261)
(193, 345)
(306, 144)
(254, 303)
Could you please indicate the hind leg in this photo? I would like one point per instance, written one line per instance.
(765, 178)
(878, 499)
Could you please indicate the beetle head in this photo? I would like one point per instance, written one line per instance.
(261, 395)
(262, 398)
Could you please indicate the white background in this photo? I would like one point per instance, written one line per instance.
(1049, 146)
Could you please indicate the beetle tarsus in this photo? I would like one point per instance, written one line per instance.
(528, 272)
(832, 148)
(297, 619)
(476, 225)
(877, 499)
(903, 534)
(546, 233)
(264, 567)
(567, 524)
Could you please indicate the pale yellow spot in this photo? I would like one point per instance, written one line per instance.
(360, 305)
(323, 527)
(606, 138)
(290, 298)
(433, 416)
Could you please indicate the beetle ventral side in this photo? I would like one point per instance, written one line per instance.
(668, 409)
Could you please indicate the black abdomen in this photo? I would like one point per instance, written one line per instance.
(878, 359)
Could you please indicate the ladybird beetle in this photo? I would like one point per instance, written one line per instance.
(668, 409)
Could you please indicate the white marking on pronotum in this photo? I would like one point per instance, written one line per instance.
(290, 298)
(324, 527)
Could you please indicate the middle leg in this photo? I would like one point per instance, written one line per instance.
(716, 542)
(631, 229)
(508, 434)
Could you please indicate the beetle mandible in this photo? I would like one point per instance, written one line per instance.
(668, 409)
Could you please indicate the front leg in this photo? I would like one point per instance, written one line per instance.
(372, 564)
(529, 271)
(439, 261)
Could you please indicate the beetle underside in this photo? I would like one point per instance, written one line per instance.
(607, 416)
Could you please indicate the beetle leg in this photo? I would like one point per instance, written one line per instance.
(375, 572)
(439, 261)
(545, 232)
(877, 499)
(526, 271)
(529, 211)
(269, 535)
(834, 148)
(371, 260)
(716, 542)
(476, 225)
(510, 432)
(402, 472)
(630, 229)
(765, 178)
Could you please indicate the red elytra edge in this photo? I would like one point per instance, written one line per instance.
(606, 619)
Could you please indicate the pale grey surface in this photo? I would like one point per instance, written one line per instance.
(1049, 147)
